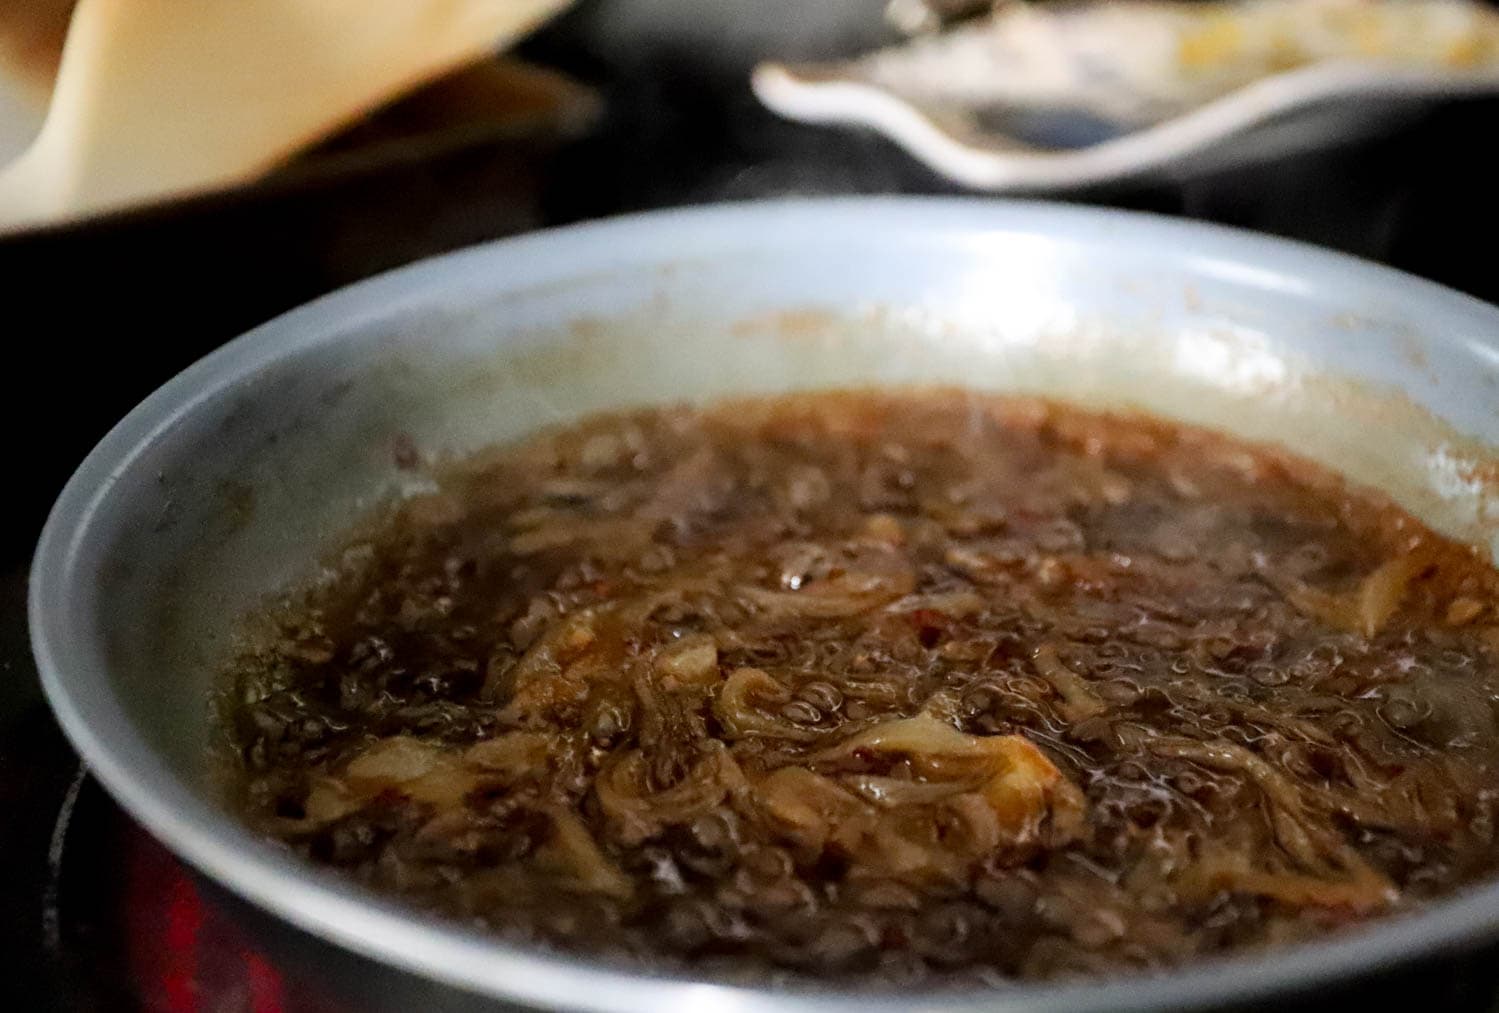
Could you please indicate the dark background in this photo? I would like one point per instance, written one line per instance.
(96, 316)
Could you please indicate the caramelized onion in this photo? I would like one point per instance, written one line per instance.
(545, 659)
(572, 850)
(1381, 593)
(1358, 887)
(512, 756)
(618, 538)
(953, 604)
(420, 770)
(1331, 873)
(924, 738)
(813, 809)
(327, 800)
(937, 836)
(872, 578)
(744, 704)
(693, 660)
(890, 792)
(1021, 785)
(1079, 702)
(637, 811)
(1368, 608)
(813, 685)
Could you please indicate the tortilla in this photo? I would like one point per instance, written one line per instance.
(158, 98)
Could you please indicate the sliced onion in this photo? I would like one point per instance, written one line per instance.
(743, 704)
(1359, 887)
(908, 841)
(513, 755)
(572, 851)
(419, 770)
(1288, 816)
(1331, 873)
(1028, 789)
(980, 824)
(828, 599)
(1079, 702)
(812, 809)
(890, 792)
(923, 737)
(1335, 610)
(1369, 608)
(394, 761)
(883, 529)
(1381, 593)
(953, 604)
(1021, 785)
(328, 799)
(545, 659)
(693, 660)
(637, 813)
(873, 578)
(905, 845)
(618, 538)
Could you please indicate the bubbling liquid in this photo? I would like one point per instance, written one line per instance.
(889, 688)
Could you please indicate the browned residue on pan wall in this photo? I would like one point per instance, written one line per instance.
(1375, 435)
(804, 322)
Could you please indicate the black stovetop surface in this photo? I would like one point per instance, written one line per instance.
(95, 914)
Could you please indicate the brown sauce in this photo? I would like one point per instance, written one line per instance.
(886, 688)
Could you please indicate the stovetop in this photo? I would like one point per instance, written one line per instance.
(97, 915)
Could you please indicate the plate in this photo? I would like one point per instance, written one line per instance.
(1296, 111)
(1060, 95)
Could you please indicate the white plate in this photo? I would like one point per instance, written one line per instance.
(1299, 110)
